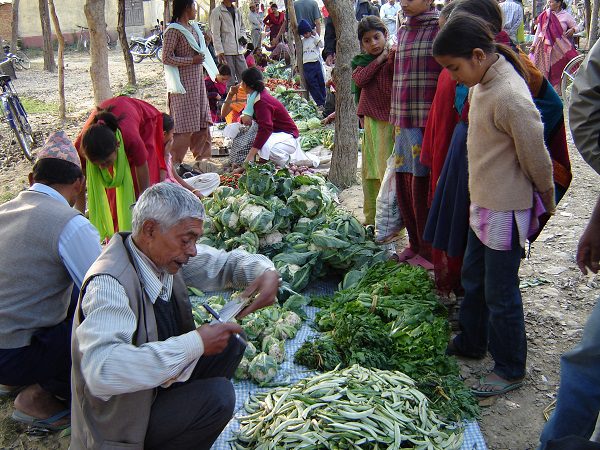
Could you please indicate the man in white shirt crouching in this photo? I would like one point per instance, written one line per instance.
(143, 375)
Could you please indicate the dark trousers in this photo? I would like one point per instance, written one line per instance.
(193, 414)
(313, 74)
(492, 309)
(45, 361)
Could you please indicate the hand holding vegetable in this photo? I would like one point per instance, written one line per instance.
(266, 285)
(215, 337)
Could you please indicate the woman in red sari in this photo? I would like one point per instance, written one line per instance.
(552, 46)
(275, 20)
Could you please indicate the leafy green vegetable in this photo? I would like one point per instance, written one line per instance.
(390, 319)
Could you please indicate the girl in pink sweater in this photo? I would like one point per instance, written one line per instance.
(510, 185)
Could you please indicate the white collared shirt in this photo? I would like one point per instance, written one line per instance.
(79, 241)
(106, 335)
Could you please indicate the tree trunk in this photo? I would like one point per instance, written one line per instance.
(167, 12)
(345, 155)
(593, 35)
(14, 35)
(49, 64)
(94, 13)
(62, 106)
(587, 13)
(124, 44)
(293, 24)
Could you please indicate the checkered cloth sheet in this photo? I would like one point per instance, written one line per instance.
(289, 373)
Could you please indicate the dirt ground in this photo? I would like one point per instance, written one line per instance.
(557, 298)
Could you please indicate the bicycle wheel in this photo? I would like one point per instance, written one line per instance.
(22, 129)
(23, 60)
(568, 76)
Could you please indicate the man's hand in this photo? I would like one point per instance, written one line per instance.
(246, 120)
(588, 250)
(221, 58)
(570, 32)
(233, 90)
(330, 60)
(266, 285)
(216, 336)
(198, 59)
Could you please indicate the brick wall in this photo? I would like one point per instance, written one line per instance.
(5, 20)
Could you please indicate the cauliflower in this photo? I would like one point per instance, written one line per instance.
(241, 373)
(292, 269)
(263, 368)
(293, 319)
(250, 351)
(251, 212)
(273, 238)
(233, 220)
(257, 218)
(274, 347)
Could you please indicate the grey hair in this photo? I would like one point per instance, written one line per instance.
(166, 203)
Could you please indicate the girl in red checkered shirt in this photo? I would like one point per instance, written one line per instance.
(372, 82)
(415, 79)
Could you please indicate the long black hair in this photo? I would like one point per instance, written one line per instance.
(487, 10)
(253, 79)
(99, 140)
(463, 33)
(179, 6)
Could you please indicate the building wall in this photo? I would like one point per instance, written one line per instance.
(5, 20)
(70, 14)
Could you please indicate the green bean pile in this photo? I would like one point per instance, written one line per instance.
(353, 408)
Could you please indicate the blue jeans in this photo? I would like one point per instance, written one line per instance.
(491, 314)
(578, 401)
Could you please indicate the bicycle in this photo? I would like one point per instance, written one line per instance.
(83, 40)
(14, 114)
(568, 75)
(20, 59)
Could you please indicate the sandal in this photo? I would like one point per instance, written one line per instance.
(420, 261)
(48, 424)
(504, 387)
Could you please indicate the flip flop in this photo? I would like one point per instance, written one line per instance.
(420, 261)
(506, 386)
(48, 423)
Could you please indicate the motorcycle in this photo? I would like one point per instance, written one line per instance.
(150, 47)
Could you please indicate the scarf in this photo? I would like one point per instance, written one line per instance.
(98, 180)
(250, 100)
(553, 50)
(361, 60)
(172, 77)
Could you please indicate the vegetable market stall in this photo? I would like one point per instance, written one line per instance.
(385, 317)
(291, 373)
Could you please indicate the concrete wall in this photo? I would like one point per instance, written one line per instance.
(70, 13)
(5, 20)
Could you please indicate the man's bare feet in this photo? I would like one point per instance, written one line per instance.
(36, 402)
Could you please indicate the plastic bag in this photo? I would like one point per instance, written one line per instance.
(388, 221)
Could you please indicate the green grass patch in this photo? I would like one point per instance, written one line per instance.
(35, 106)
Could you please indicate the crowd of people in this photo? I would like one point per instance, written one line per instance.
(104, 332)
